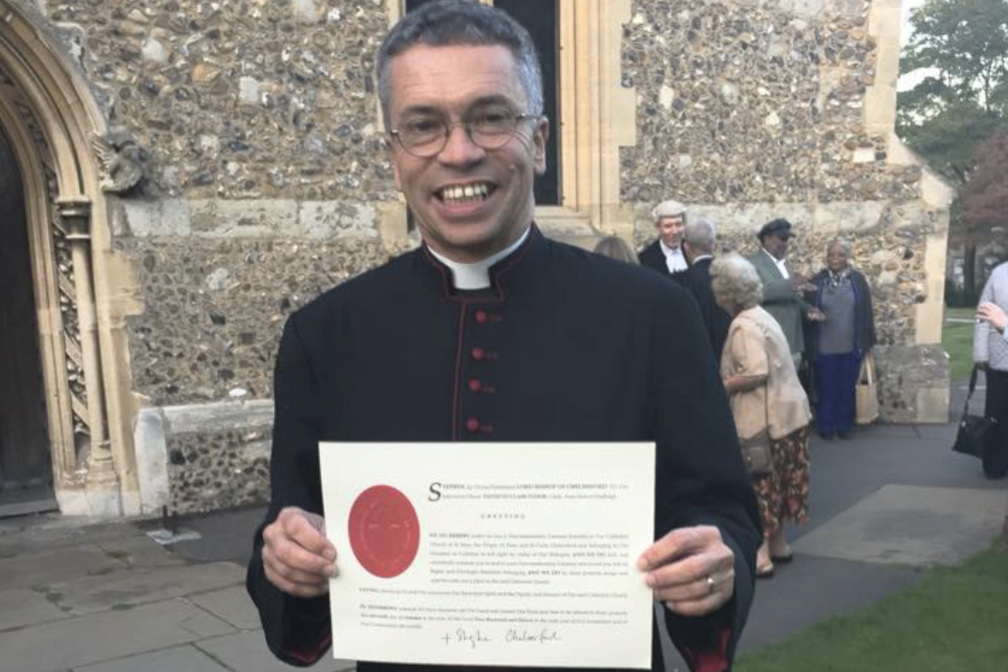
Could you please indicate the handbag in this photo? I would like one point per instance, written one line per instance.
(866, 392)
(975, 431)
(756, 449)
(756, 453)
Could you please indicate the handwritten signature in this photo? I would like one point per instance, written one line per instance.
(540, 637)
(465, 637)
(473, 638)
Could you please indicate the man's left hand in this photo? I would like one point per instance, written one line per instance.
(691, 570)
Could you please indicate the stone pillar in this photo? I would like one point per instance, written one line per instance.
(102, 485)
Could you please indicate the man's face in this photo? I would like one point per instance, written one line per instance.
(456, 82)
(670, 230)
(777, 244)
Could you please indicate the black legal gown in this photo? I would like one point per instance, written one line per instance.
(565, 346)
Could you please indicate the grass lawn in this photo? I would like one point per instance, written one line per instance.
(957, 339)
(954, 620)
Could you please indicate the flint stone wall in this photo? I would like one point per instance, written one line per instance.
(244, 99)
(265, 182)
(267, 179)
(751, 110)
(211, 469)
(747, 102)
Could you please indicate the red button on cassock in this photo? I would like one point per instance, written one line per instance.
(475, 385)
(478, 354)
(472, 424)
(481, 317)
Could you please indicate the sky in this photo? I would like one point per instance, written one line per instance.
(910, 80)
(907, 6)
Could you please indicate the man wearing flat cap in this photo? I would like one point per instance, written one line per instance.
(782, 287)
(665, 255)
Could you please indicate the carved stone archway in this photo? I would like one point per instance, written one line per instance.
(52, 119)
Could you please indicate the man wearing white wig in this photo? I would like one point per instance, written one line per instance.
(665, 255)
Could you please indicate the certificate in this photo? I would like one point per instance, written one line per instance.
(518, 554)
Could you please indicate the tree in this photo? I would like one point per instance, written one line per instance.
(985, 194)
(959, 48)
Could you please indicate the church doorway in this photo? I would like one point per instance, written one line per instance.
(26, 483)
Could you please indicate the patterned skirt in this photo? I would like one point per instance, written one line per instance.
(783, 494)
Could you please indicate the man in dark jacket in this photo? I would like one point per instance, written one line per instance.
(698, 245)
(491, 332)
(665, 255)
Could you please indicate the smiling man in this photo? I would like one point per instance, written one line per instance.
(492, 332)
(665, 254)
(782, 287)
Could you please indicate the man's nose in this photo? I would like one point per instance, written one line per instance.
(459, 147)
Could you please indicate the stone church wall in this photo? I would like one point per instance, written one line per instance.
(266, 182)
(753, 110)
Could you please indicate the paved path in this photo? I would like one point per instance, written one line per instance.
(105, 598)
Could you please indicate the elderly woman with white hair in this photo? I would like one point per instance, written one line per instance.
(842, 340)
(768, 404)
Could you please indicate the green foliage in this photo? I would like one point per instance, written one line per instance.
(954, 620)
(961, 49)
(948, 139)
(962, 45)
(985, 195)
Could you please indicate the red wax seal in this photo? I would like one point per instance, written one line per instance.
(384, 531)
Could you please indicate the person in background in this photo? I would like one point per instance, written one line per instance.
(990, 353)
(783, 292)
(997, 318)
(698, 243)
(665, 255)
(841, 340)
(616, 248)
(765, 393)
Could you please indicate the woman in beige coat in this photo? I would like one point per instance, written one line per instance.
(765, 394)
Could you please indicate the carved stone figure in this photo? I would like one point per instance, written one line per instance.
(119, 157)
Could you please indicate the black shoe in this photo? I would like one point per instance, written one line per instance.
(828, 436)
(845, 435)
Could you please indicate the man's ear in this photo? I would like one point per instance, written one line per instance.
(391, 148)
(539, 137)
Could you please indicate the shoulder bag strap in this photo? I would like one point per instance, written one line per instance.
(972, 386)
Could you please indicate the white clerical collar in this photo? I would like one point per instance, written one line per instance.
(477, 275)
(702, 257)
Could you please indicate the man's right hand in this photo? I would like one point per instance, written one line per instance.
(296, 555)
